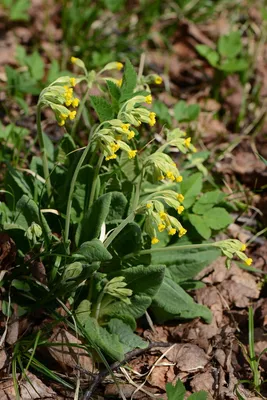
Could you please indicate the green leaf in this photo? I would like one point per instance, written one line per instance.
(83, 311)
(114, 5)
(109, 343)
(36, 65)
(93, 220)
(19, 10)
(172, 302)
(176, 392)
(230, 45)
(93, 251)
(114, 90)
(102, 108)
(180, 111)
(207, 201)
(29, 212)
(128, 81)
(193, 111)
(211, 56)
(21, 285)
(190, 188)
(200, 225)
(137, 308)
(185, 264)
(234, 65)
(129, 340)
(129, 239)
(118, 206)
(202, 395)
(72, 271)
(162, 112)
(217, 218)
(144, 280)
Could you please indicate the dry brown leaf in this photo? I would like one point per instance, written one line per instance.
(69, 356)
(3, 358)
(7, 251)
(203, 381)
(29, 390)
(188, 357)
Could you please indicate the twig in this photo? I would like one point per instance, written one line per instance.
(134, 353)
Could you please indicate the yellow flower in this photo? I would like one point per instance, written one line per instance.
(72, 115)
(162, 214)
(75, 102)
(180, 209)
(243, 247)
(132, 153)
(179, 178)
(148, 205)
(182, 232)
(112, 157)
(180, 197)
(125, 127)
(154, 240)
(158, 80)
(152, 117)
(187, 142)
(161, 177)
(68, 102)
(161, 227)
(119, 82)
(73, 60)
(64, 116)
(149, 99)
(172, 231)
(119, 66)
(62, 122)
(114, 147)
(131, 135)
(72, 82)
(170, 175)
(249, 261)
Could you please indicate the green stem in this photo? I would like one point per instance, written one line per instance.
(72, 187)
(98, 304)
(79, 113)
(93, 188)
(43, 151)
(169, 248)
(119, 228)
(138, 191)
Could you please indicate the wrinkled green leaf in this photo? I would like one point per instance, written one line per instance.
(172, 302)
(93, 251)
(129, 340)
(207, 201)
(102, 108)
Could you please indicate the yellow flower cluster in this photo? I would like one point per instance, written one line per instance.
(158, 218)
(163, 167)
(233, 247)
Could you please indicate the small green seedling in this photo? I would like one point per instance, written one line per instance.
(252, 359)
(178, 391)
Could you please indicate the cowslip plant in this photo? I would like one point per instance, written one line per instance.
(108, 225)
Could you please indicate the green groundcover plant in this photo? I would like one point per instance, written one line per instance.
(118, 226)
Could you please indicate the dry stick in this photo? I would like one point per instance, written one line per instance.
(134, 353)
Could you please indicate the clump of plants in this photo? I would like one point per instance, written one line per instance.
(111, 231)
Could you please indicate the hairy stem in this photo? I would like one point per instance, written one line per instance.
(169, 248)
(117, 230)
(79, 112)
(72, 187)
(93, 188)
(43, 151)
